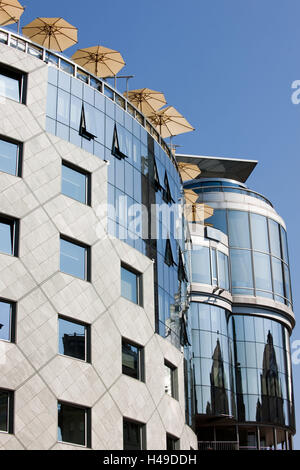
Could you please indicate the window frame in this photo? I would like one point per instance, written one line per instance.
(175, 440)
(87, 339)
(141, 359)
(19, 75)
(139, 284)
(142, 432)
(15, 227)
(10, 411)
(87, 258)
(19, 157)
(12, 320)
(174, 380)
(87, 424)
(88, 182)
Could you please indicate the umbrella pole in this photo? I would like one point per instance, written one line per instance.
(18, 26)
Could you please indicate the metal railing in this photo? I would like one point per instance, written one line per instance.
(231, 189)
(218, 445)
(65, 64)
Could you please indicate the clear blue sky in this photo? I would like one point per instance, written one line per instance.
(227, 65)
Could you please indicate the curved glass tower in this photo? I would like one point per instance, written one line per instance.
(241, 312)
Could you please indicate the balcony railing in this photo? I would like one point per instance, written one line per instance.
(63, 63)
(218, 445)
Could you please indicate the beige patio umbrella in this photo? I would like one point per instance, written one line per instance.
(169, 122)
(10, 12)
(54, 33)
(190, 196)
(188, 171)
(99, 60)
(197, 212)
(146, 100)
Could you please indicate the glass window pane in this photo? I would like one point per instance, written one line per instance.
(63, 107)
(6, 237)
(10, 86)
(277, 276)
(287, 282)
(201, 265)
(130, 360)
(223, 270)
(259, 232)
(169, 380)
(5, 321)
(71, 424)
(75, 114)
(132, 435)
(8, 157)
(241, 268)
(72, 259)
(129, 287)
(74, 184)
(218, 220)
(72, 339)
(274, 238)
(284, 245)
(262, 269)
(214, 274)
(4, 411)
(238, 227)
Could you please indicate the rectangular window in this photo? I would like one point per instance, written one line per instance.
(133, 360)
(134, 435)
(7, 321)
(173, 443)
(12, 84)
(74, 339)
(10, 157)
(131, 285)
(171, 381)
(6, 411)
(8, 235)
(76, 183)
(74, 424)
(75, 259)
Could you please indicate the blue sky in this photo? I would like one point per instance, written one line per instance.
(227, 66)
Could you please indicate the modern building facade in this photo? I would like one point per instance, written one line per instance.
(121, 325)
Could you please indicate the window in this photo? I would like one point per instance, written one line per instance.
(173, 443)
(7, 321)
(119, 147)
(75, 259)
(8, 235)
(171, 381)
(6, 411)
(134, 435)
(201, 265)
(10, 157)
(133, 360)
(88, 122)
(76, 183)
(131, 285)
(170, 252)
(12, 84)
(74, 339)
(167, 196)
(182, 275)
(74, 424)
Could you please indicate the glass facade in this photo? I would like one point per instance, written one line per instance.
(10, 157)
(209, 266)
(259, 260)
(242, 366)
(132, 188)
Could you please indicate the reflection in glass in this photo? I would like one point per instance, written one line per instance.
(262, 270)
(72, 259)
(4, 407)
(132, 435)
(131, 360)
(10, 86)
(74, 184)
(9, 157)
(71, 424)
(259, 233)
(274, 238)
(201, 265)
(6, 236)
(129, 285)
(218, 382)
(238, 229)
(5, 321)
(72, 339)
(218, 220)
(241, 268)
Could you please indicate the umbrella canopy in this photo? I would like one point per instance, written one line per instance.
(198, 212)
(53, 33)
(146, 100)
(10, 11)
(190, 196)
(169, 122)
(188, 171)
(99, 60)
